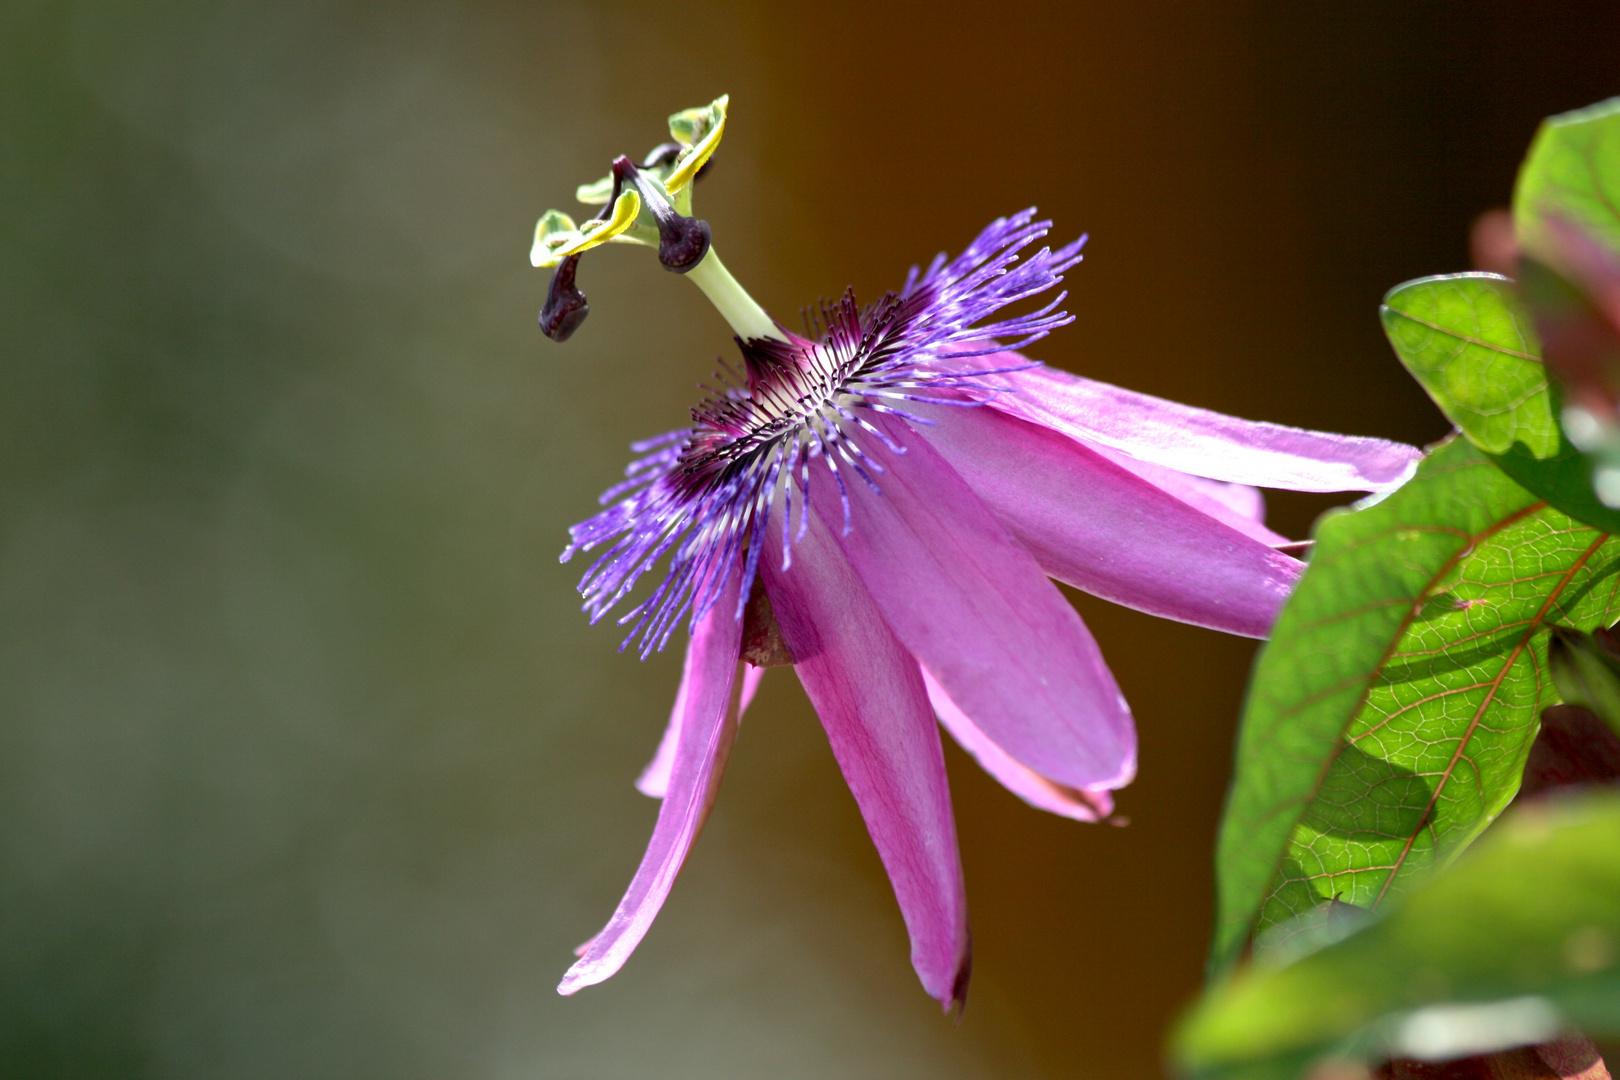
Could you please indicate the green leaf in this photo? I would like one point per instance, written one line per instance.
(1470, 341)
(1467, 339)
(1390, 714)
(1586, 670)
(1573, 171)
(1534, 909)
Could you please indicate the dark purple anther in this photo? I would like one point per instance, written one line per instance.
(662, 154)
(682, 241)
(566, 306)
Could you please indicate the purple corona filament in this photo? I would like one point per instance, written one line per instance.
(705, 492)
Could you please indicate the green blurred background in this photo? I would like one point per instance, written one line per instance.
(310, 767)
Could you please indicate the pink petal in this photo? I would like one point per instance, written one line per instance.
(1241, 499)
(1238, 506)
(1027, 784)
(970, 602)
(1198, 441)
(706, 728)
(654, 779)
(1101, 528)
(751, 677)
(870, 697)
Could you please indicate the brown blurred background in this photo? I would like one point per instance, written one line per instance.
(309, 766)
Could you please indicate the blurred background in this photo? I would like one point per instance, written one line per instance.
(309, 765)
